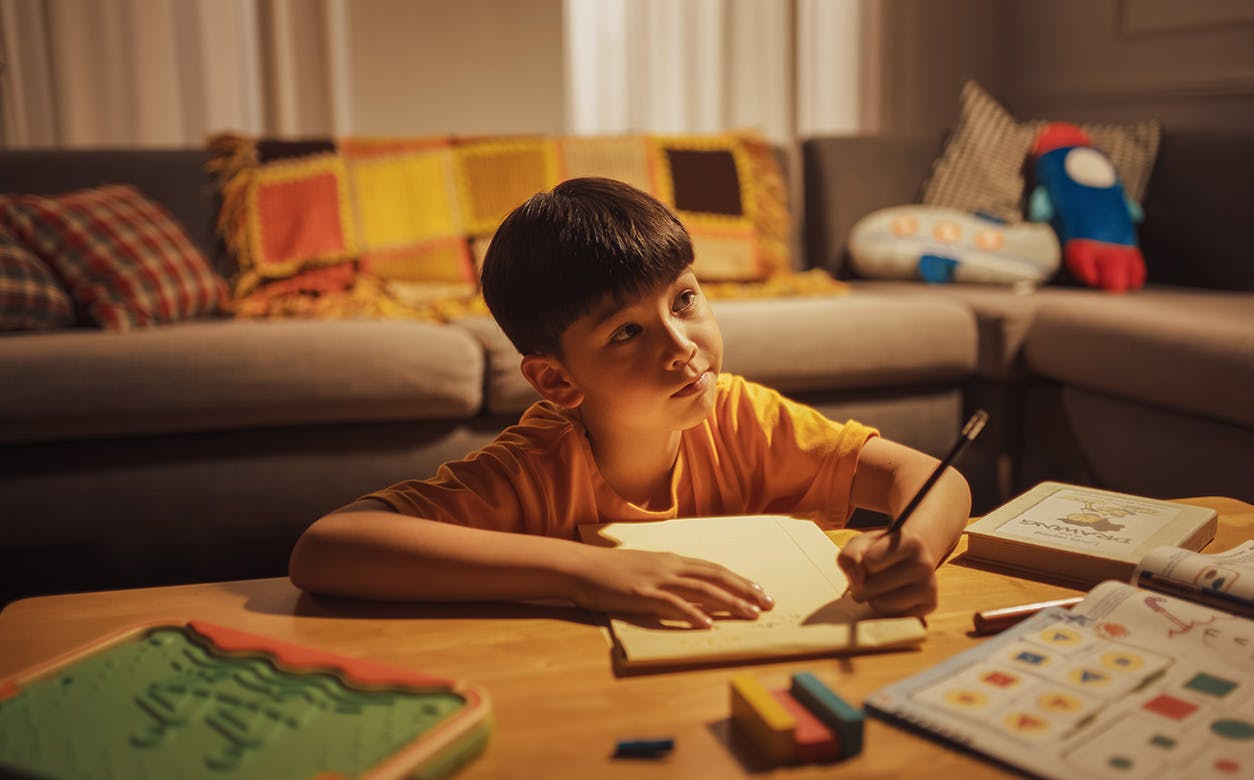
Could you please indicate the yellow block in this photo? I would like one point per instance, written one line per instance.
(760, 717)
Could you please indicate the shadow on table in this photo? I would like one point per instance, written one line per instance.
(750, 760)
(300, 604)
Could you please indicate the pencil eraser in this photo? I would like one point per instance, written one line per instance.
(757, 715)
(839, 715)
(816, 743)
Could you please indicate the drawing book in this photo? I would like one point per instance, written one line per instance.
(1126, 684)
(1080, 536)
(195, 699)
(793, 561)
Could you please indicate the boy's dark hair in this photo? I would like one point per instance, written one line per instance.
(563, 252)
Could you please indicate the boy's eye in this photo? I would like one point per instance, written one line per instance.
(684, 300)
(624, 333)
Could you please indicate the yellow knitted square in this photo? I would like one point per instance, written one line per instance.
(440, 260)
(725, 258)
(496, 176)
(405, 199)
(622, 157)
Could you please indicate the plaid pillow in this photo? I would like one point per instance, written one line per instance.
(981, 167)
(30, 298)
(125, 261)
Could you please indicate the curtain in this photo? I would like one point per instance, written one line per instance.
(784, 67)
(169, 72)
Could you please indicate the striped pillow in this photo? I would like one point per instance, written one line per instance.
(981, 167)
(30, 297)
(124, 259)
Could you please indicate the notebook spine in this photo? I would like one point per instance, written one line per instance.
(914, 719)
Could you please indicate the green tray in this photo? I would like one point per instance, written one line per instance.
(198, 700)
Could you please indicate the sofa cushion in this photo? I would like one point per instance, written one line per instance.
(850, 342)
(124, 260)
(857, 341)
(1183, 349)
(505, 389)
(1003, 315)
(30, 297)
(218, 375)
(981, 168)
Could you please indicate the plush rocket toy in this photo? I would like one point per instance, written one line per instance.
(1079, 193)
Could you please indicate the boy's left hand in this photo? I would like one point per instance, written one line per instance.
(894, 573)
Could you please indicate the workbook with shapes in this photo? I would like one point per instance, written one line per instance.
(1080, 536)
(1127, 684)
(793, 561)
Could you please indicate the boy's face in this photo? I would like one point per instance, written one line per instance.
(649, 364)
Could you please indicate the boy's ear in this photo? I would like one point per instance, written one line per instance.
(548, 376)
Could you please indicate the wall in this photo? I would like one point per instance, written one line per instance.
(926, 50)
(1188, 64)
(470, 66)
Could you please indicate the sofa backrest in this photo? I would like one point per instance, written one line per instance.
(1196, 205)
(846, 177)
(176, 178)
(1197, 209)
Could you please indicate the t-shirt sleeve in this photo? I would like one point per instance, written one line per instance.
(494, 488)
(799, 461)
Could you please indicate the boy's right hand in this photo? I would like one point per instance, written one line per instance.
(664, 585)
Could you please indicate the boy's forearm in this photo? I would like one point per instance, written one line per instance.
(385, 556)
(942, 514)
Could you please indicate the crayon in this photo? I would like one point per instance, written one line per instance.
(990, 621)
(644, 748)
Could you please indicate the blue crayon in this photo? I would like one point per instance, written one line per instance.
(836, 713)
(644, 748)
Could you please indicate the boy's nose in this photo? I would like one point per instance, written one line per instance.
(679, 348)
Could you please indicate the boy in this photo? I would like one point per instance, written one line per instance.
(592, 282)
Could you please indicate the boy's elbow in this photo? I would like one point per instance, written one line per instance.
(309, 562)
(961, 489)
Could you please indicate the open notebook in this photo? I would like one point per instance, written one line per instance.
(792, 559)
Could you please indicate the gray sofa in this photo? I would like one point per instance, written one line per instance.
(201, 450)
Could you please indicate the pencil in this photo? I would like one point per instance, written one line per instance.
(965, 437)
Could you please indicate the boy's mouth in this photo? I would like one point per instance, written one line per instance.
(698, 385)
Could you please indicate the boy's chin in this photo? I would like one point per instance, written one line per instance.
(701, 409)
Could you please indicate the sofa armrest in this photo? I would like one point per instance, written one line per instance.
(848, 177)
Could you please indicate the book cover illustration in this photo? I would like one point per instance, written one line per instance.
(1088, 522)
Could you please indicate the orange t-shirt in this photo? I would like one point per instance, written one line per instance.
(757, 453)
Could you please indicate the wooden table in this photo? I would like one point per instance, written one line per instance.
(558, 708)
